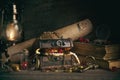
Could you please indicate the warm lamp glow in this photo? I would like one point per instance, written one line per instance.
(12, 32)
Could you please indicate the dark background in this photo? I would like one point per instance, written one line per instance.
(37, 16)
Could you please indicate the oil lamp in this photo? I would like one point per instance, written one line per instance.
(13, 29)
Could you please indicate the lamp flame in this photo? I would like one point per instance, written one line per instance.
(12, 33)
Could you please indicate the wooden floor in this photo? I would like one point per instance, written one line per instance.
(97, 74)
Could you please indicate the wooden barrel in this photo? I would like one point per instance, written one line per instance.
(112, 52)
